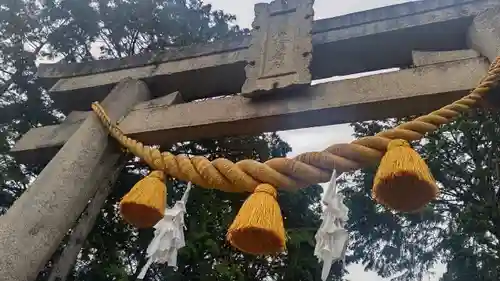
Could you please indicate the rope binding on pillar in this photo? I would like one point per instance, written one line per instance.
(403, 181)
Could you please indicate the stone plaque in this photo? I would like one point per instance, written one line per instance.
(281, 48)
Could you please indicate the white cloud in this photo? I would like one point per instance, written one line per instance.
(317, 138)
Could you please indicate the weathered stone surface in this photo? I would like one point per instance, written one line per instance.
(76, 116)
(280, 51)
(402, 93)
(50, 71)
(34, 226)
(63, 266)
(410, 91)
(484, 36)
(484, 33)
(353, 25)
(376, 39)
(48, 140)
(170, 99)
(39, 145)
(211, 74)
(421, 58)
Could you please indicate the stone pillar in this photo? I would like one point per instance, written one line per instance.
(484, 33)
(35, 225)
(64, 264)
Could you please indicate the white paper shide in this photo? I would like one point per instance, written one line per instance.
(332, 238)
(169, 236)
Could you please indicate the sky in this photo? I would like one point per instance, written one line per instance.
(319, 138)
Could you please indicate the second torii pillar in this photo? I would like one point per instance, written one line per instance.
(484, 33)
(484, 37)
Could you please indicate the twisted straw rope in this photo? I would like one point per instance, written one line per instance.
(305, 169)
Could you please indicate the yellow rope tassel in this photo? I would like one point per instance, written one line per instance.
(144, 205)
(258, 228)
(403, 181)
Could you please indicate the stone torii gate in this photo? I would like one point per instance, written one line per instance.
(443, 48)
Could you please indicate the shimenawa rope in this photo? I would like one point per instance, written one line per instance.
(305, 169)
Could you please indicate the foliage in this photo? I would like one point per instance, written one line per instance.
(459, 229)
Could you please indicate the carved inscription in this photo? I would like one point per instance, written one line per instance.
(280, 52)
